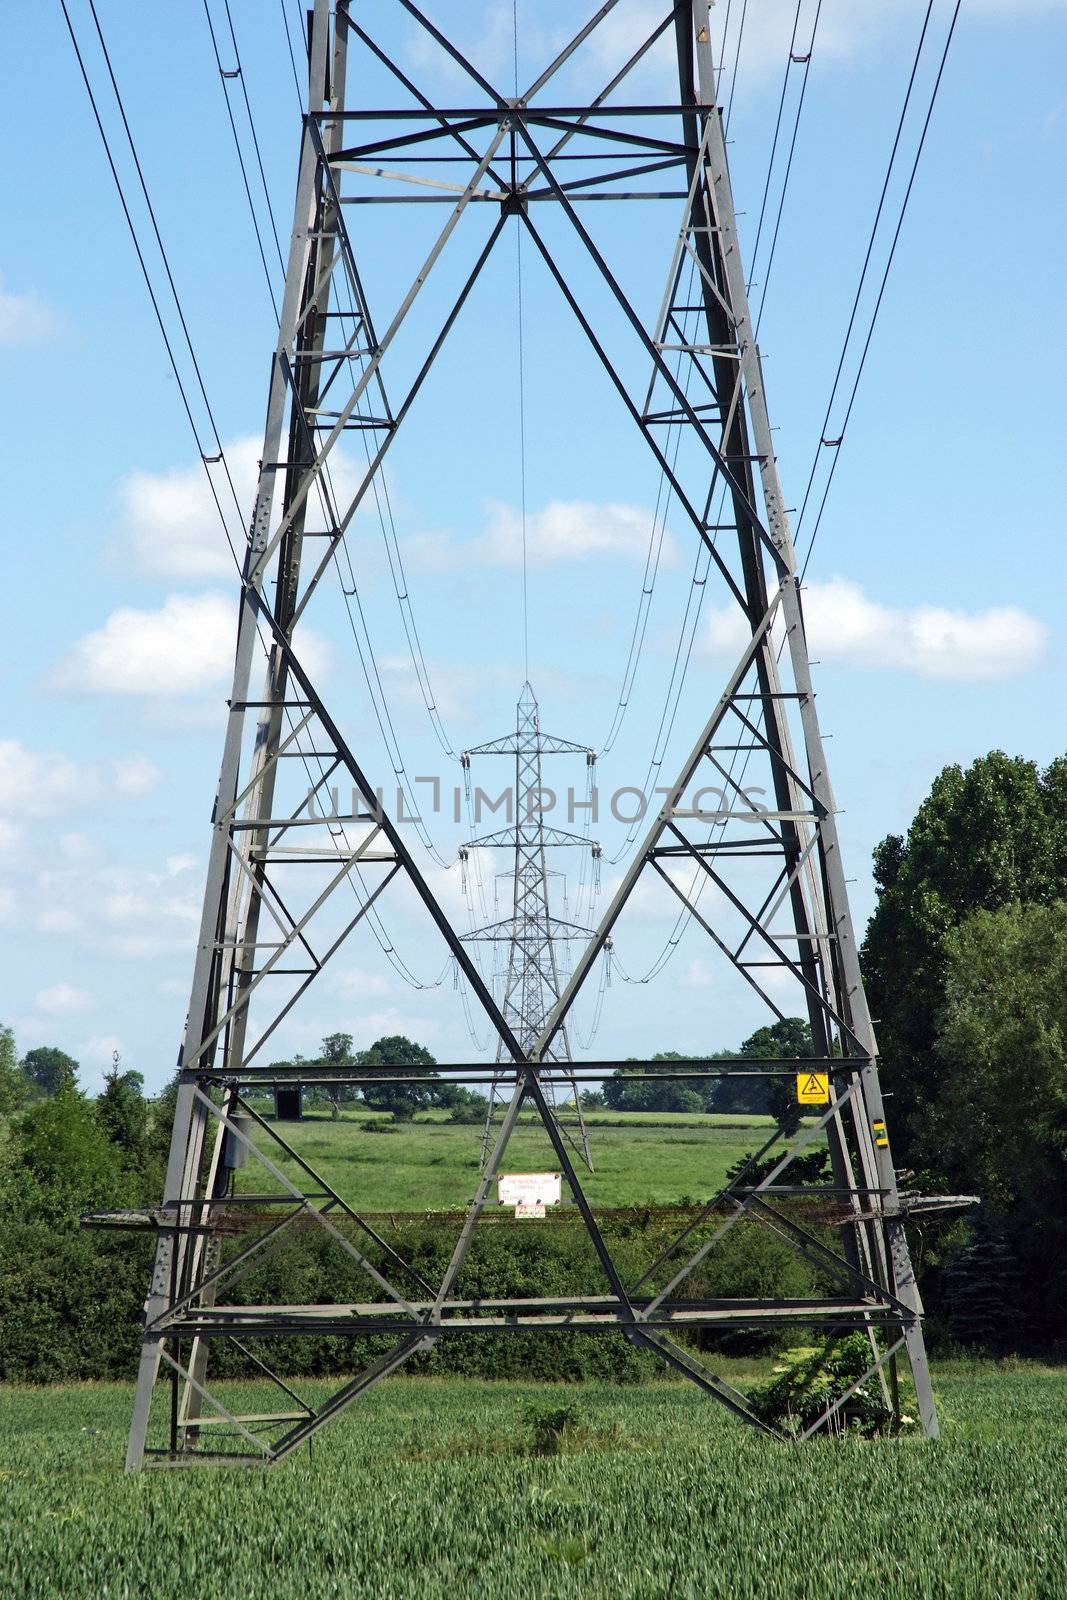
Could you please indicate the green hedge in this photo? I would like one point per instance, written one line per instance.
(70, 1300)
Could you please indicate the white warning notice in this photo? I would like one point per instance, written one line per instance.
(522, 1211)
(529, 1189)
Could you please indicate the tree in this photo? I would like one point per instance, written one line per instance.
(14, 1085)
(996, 1123)
(405, 1058)
(160, 1124)
(122, 1112)
(336, 1053)
(982, 838)
(624, 1092)
(788, 1038)
(64, 1157)
(50, 1068)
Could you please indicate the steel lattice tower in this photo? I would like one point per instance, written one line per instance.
(750, 811)
(532, 935)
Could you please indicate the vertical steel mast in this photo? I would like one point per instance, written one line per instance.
(750, 816)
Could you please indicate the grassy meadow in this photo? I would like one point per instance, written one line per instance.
(432, 1165)
(429, 1489)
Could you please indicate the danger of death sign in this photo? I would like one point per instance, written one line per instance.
(813, 1088)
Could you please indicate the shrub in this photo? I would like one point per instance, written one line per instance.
(809, 1380)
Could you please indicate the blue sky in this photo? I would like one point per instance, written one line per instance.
(944, 518)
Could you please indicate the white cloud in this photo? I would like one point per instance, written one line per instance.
(843, 624)
(61, 999)
(78, 847)
(357, 982)
(169, 523)
(180, 863)
(566, 530)
(40, 784)
(8, 903)
(100, 1048)
(25, 318)
(183, 647)
(699, 974)
(120, 912)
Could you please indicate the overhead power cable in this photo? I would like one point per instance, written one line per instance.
(882, 285)
(374, 918)
(324, 484)
(225, 78)
(774, 144)
(683, 919)
(663, 490)
(788, 168)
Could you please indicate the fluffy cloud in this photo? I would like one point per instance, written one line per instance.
(25, 318)
(566, 530)
(169, 523)
(61, 999)
(44, 784)
(184, 646)
(844, 624)
(120, 912)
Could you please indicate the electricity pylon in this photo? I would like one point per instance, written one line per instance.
(532, 935)
(282, 887)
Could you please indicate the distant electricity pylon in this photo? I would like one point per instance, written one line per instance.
(533, 937)
(749, 814)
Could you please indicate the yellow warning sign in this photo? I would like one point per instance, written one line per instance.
(813, 1088)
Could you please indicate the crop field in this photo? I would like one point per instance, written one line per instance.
(432, 1165)
(430, 1489)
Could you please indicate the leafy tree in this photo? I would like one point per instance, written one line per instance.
(50, 1068)
(14, 1085)
(160, 1123)
(996, 1124)
(337, 1053)
(982, 838)
(65, 1162)
(404, 1057)
(625, 1092)
(790, 1037)
(468, 1108)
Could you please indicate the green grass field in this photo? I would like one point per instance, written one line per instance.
(420, 1493)
(433, 1165)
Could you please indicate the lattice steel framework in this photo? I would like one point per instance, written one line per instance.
(765, 843)
(532, 935)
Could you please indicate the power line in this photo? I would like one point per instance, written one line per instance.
(788, 169)
(377, 926)
(737, 57)
(255, 140)
(644, 604)
(159, 241)
(522, 391)
(224, 77)
(292, 53)
(327, 497)
(683, 918)
(774, 142)
(867, 258)
(881, 291)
